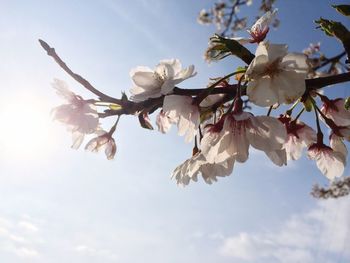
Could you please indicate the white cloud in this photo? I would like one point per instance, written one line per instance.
(321, 234)
(27, 226)
(18, 238)
(91, 252)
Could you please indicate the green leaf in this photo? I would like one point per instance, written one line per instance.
(336, 29)
(343, 9)
(221, 47)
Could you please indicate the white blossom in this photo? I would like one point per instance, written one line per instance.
(299, 136)
(105, 141)
(335, 110)
(150, 83)
(261, 27)
(276, 76)
(164, 121)
(181, 111)
(232, 136)
(79, 115)
(330, 161)
(198, 165)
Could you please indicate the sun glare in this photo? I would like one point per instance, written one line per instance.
(26, 128)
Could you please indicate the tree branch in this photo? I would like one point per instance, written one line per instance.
(130, 107)
(52, 53)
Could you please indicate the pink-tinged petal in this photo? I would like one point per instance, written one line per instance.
(337, 112)
(63, 91)
(266, 133)
(77, 139)
(338, 145)
(294, 147)
(111, 149)
(262, 93)
(163, 122)
(307, 135)
(235, 143)
(329, 162)
(278, 157)
(198, 165)
(210, 172)
(180, 108)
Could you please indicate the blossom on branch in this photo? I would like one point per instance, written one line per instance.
(299, 136)
(79, 115)
(103, 140)
(180, 110)
(160, 81)
(261, 27)
(198, 165)
(330, 161)
(275, 75)
(335, 110)
(235, 132)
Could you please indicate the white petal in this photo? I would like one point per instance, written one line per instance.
(296, 62)
(290, 85)
(273, 51)
(261, 92)
(278, 157)
(77, 139)
(338, 145)
(267, 134)
(329, 162)
(146, 80)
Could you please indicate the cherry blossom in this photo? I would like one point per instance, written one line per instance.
(160, 81)
(330, 161)
(232, 136)
(198, 165)
(299, 136)
(164, 121)
(275, 75)
(261, 27)
(103, 140)
(180, 110)
(335, 110)
(79, 115)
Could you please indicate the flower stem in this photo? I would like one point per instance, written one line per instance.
(319, 131)
(290, 111)
(112, 130)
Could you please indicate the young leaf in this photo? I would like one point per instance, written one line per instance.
(343, 9)
(221, 47)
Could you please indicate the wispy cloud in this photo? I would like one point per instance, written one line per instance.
(19, 238)
(320, 235)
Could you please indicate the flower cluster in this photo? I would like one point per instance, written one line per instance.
(81, 118)
(216, 118)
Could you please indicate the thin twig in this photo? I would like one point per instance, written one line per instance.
(52, 53)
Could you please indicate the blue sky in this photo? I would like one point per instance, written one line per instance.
(61, 205)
